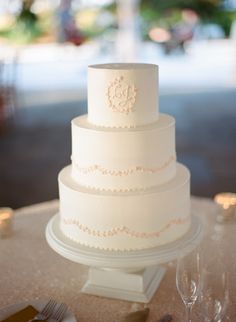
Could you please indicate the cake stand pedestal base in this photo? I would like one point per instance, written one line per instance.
(138, 286)
(127, 275)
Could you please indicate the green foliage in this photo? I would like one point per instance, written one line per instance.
(22, 32)
(225, 20)
(167, 13)
(204, 8)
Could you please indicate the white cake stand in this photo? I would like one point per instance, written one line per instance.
(134, 275)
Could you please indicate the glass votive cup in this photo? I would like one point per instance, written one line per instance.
(227, 205)
(6, 222)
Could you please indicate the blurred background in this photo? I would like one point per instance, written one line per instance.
(45, 47)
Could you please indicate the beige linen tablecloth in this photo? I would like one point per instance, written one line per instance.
(30, 269)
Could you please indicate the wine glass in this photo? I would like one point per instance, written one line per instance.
(214, 297)
(188, 280)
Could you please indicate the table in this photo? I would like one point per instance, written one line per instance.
(30, 269)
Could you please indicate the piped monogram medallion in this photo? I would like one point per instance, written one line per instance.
(121, 96)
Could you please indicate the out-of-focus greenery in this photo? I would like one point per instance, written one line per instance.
(204, 8)
(92, 22)
(26, 27)
(21, 32)
(225, 19)
(168, 13)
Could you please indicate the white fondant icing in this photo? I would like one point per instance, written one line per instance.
(126, 160)
(131, 102)
(124, 189)
(162, 212)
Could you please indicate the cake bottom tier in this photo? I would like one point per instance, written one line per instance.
(125, 221)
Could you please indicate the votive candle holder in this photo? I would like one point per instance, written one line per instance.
(6, 222)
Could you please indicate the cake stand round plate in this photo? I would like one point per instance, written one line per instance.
(128, 275)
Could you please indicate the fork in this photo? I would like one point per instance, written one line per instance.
(46, 311)
(59, 314)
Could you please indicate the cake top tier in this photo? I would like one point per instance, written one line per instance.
(122, 95)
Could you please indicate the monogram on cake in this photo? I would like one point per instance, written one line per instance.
(124, 189)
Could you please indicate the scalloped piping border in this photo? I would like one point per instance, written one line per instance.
(130, 126)
(117, 190)
(123, 229)
(120, 127)
(122, 173)
(116, 249)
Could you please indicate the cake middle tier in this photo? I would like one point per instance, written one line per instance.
(123, 159)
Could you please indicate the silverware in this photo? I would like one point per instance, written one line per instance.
(46, 312)
(59, 314)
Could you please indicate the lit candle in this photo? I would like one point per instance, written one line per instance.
(227, 203)
(6, 216)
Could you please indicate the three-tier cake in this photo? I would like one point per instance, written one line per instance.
(124, 189)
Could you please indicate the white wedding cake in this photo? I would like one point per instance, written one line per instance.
(124, 189)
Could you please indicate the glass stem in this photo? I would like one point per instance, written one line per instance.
(188, 312)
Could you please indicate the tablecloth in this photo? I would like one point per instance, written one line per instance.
(30, 269)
